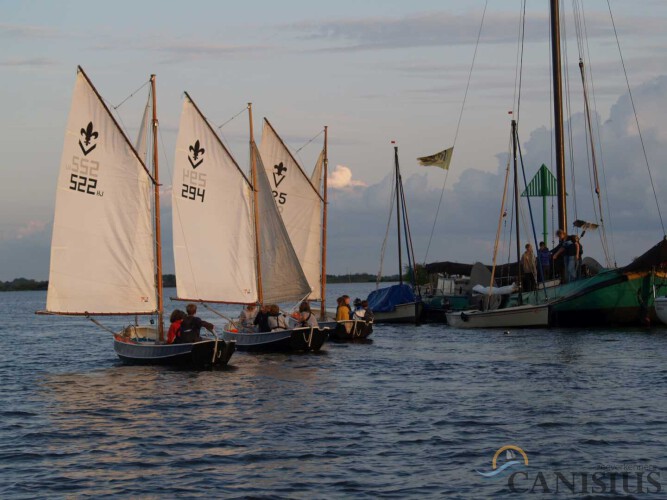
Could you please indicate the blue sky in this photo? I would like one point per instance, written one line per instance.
(373, 71)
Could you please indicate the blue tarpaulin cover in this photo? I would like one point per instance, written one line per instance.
(386, 299)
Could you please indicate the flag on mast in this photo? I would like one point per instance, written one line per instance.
(441, 159)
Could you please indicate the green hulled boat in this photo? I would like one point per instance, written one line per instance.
(613, 297)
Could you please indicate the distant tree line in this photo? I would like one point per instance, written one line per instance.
(21, 284)
(169, 280)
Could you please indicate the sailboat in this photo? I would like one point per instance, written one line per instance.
(521, 315)
(106, 248)
(620, 296)
(398, 303)
(230, 244)
(302, 207)
(614, 296)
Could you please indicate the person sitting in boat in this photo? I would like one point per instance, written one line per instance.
(364, 313)
(261, 320)
(247, 318)
(306, 316)
(191, 327)
(176, 319)
(343, 312)
(276, 319)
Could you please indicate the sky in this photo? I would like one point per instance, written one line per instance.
(373, 71)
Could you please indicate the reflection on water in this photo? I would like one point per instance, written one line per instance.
(412, 413)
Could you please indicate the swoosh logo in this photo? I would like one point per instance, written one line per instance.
(500, 469)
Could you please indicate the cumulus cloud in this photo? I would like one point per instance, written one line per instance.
(466, 225)
(341, 178)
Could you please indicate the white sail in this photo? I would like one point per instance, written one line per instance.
(283, 279)
(299, 203)
(102, 245)
(316, 176)
(214, 243)
(145, 133)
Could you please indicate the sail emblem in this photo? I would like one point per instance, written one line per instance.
(88, 134)
(196, 152)
(279, 174)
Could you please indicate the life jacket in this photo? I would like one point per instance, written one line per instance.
(174, 331)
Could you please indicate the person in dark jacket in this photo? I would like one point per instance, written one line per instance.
(191, 327)
(262, 320)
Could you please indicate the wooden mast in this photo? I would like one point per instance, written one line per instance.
(158, 231)
(253, 173)
(325, 165)
(516, 213)
(558, 114)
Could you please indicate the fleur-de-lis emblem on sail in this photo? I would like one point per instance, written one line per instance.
(279, 174)
(196, 151)
(88, 134)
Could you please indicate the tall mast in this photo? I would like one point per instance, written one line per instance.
(516, 211)
(325, 164)
(398, 216)
(158, 231)
(253, 172)
(558, 114)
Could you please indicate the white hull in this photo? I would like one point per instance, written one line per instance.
(509, 317)
(661, 309)
(402, 313)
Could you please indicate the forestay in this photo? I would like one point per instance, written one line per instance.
(102, 245)
(283, 278)
(214, 244)
(299, 203)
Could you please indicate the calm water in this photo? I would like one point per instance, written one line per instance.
(414, 414)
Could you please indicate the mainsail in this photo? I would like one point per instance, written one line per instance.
(299, 203)
(102, 259)
(214, 245)
(213, 221)
(283, 278)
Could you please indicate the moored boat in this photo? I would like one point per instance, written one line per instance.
(508, 317)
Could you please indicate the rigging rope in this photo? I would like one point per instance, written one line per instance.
(599, 136)
(235, 116)
(386, 233)
(310, 140)
(634, 110)
(456, 133)
(130, 96)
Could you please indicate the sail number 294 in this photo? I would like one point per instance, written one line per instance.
(194, 185)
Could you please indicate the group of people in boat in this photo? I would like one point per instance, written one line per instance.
(186, 326)
(361, 311)
(563, 261)
(269, 318)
